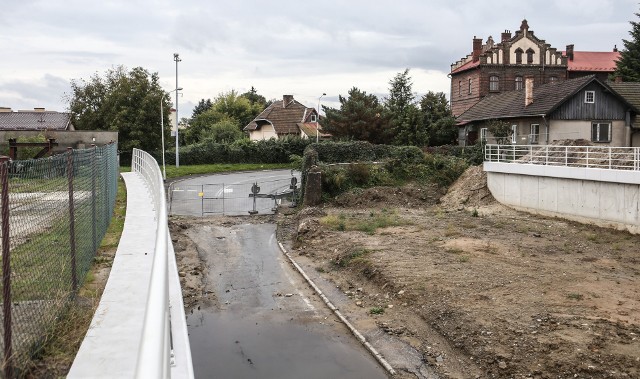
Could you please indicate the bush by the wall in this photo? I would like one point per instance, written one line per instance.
(241, 151)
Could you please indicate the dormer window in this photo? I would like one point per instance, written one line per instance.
(313, 118)
(519, 55)
(590, 97)
(530, 56)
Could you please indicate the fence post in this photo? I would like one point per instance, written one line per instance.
(72, 226)
(93, 198)
(6, 268)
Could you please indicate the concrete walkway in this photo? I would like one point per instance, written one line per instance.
(110, 348)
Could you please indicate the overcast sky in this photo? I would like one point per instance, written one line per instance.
(280, 47)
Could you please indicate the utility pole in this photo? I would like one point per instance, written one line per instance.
(176, 57)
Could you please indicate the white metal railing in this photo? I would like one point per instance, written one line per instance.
(155, 354)
(603, 157)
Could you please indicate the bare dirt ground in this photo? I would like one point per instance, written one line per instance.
(482, 291)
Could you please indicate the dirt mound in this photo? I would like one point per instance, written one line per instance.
(470, 190)
(408, 196)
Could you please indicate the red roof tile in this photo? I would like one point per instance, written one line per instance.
(466, 66)
(593, 61)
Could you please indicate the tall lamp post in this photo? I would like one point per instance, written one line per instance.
(318, 119)
(176, 58)
(164, 170)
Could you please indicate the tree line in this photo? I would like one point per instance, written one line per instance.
(128, 101)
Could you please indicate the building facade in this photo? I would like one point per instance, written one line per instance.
(494, 68)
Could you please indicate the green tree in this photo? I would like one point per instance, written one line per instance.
(203, 105)
(256, 99)
(628, 66)
(122, 100)
(406, 123)
(500, 130)
(225, 131)
(228, 106)
(360, 117)
(437, 119)
(236, 107)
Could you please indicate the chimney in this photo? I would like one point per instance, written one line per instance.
(528, 91)
(477, 48)
(506, 35)
(286, 99)
(570, 52)
(615, 48)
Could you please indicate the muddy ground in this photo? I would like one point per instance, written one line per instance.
(480, 290)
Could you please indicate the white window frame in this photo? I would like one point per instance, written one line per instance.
(483, 135)
(596, 126)
(589, 97)
(534, 134)
(494, 83)
(514, 133)
(519, 80)
(313, 118)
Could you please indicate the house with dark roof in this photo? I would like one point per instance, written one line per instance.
(286, 117)
(581, 108)
(496, 67)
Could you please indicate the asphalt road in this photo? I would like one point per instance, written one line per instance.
(228, 194)
(265, 322)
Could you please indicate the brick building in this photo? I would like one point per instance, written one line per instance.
(493, 68)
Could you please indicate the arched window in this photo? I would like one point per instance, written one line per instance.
(494, 83)
(519, 55)
(529, 56)
(518, 82)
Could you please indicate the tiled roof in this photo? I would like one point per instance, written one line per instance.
(310, 129)
(593, 61)
(546, 98)
(34, 120)
(629, 90)
(283, 119)
(466, 66)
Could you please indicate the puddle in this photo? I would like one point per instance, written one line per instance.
(227, 345)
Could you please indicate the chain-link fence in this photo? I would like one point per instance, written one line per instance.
(232, 199)
(54, 213)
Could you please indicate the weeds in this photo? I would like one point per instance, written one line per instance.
(376, 311)
(374, 222)
(575, 296)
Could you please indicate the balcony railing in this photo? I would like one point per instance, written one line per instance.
(603, 157)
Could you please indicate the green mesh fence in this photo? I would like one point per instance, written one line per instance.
(56, 211)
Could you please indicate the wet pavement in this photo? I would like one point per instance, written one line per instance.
(264, 321)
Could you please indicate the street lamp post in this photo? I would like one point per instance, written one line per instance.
(176, 58)
(318, 118)
(164, 170)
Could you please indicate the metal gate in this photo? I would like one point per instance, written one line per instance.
(234, 199)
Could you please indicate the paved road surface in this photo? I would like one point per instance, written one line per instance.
(265, 322)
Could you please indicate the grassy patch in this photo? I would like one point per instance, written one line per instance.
(62, 341)
(174, 172)
(368, 224)
(353, 257)
(376, 310)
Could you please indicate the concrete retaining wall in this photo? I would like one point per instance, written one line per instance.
(77, 139)
(603, 197)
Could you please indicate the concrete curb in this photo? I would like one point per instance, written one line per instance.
(335, 310)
